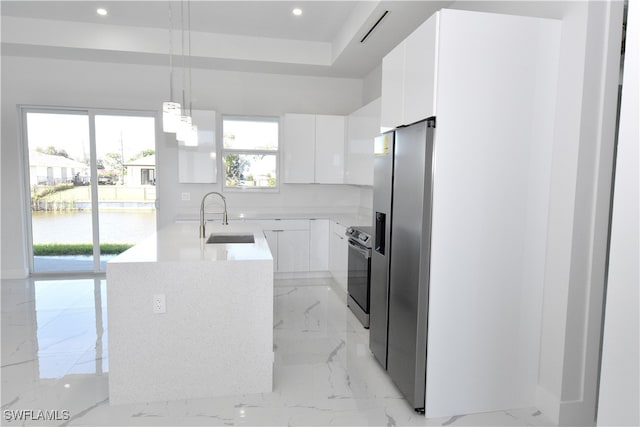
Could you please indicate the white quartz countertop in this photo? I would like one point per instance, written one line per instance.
(345, 218)
(180, 242)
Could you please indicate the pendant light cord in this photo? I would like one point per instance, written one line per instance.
(184, 79)
(189, 28)
(170, 52)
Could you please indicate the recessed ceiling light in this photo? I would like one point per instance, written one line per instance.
(297, 11)
(101, 12)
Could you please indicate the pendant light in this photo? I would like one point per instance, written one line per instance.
(187, 132)
(171, 110)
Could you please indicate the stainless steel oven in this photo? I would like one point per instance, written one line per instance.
(359, 269)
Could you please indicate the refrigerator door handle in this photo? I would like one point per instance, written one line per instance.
(381, 220)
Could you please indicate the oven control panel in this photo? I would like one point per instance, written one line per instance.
(360, 234)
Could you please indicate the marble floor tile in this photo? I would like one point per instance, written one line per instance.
(55, 357)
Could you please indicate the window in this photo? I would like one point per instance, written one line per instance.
(147, 177)
(250, 152)
(70, 169)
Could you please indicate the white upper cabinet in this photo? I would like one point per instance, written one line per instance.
(299, 148)
(419, 101)
(314, 149)
(409, 77)
(363, 127)
(197, 165)
(392, 88)
(330, 134)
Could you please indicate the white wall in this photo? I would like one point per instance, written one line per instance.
(39, 81)
(619, 402)
(578, 215)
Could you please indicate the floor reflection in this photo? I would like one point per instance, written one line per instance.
(55, 357)
(56, 327)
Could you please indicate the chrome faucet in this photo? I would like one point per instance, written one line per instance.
(224, 214)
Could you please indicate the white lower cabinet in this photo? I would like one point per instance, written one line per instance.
(318, 245)
(272, 241)
(289, 243)
(307, 245)
(338, 254)
(293, 250)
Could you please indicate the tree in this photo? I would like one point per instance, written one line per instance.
(235, 168)
(53, 151)
(144, 153)
(113, 162)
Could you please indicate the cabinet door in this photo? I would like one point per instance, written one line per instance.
(363, 127)
(329, 150)
(339, 253)
(392, 88)
(334, 245)
(198, 164)
(343, 263)
(293, 250)
(319, 245)
(272, 241)
(420, 72)
(299, 148)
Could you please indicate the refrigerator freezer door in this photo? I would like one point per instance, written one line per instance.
(409, 267)
(379, 292)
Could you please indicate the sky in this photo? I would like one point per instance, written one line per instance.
(70, 132)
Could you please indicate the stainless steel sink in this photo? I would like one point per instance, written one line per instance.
(230, 238)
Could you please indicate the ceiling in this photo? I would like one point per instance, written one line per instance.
(258, 36)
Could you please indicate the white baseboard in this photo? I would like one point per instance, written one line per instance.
(548, 404)
(577, 413)
(302, 275)
(339, 291)
(564, 413)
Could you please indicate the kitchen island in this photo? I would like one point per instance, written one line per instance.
(187, 319)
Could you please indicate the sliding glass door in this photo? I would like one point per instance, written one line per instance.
(91, 180)
(126, 166)
(61, 199)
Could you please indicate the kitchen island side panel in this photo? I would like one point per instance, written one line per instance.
(215, 339)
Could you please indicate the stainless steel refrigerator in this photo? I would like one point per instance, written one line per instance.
(402, 197)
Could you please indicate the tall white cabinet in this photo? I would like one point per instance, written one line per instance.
(490, 80)
(314, 149)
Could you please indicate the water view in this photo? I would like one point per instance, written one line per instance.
(73, 227)
(115, 226)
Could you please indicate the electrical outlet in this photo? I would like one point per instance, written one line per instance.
(159, 304)
(186, 197)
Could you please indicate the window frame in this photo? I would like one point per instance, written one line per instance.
(226, 151)
(91, 113)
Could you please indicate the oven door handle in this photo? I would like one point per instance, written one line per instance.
(364, 252)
